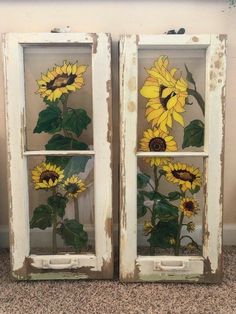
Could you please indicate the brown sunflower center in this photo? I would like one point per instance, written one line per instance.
(189, 206)
(157, 144)
(72, 188)
(164, 100)
(184, 175)
(47, 175)
(61, 80)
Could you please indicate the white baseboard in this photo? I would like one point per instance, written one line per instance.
(41, 238)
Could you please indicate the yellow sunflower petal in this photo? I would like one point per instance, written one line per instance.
(149, 91)
(177, 117)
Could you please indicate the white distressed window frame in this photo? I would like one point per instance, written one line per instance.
(207, 267)
(87, 266)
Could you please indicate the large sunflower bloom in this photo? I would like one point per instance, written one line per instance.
(187, 177)
(61, 80)
(155, 140)
(46, 176)
(167, 95)
(189, 207)
(73, 186)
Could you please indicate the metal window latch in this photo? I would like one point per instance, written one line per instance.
(61, 29)
(181, 31)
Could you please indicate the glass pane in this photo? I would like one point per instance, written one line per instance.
(61, 204)
(58, 94)
(170, 205)
(171, 99)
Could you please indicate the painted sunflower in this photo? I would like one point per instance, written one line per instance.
(167, 95)
(46, 176)
(187, 177)
(155, 140)
(61, 80)
(189, 207)
(74, 185)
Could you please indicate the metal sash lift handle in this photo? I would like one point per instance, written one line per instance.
(171, 265)
(62, 263)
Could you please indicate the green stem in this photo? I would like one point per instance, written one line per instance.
(177, 246)
(152, 250)
(156, 178)
(151, 186)
(187, 236)
(76, 207)
(65, 110)
(54, 228)
(198, 97)
(54, 234)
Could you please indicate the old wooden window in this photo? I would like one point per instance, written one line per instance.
(58, 106)
(172, 92)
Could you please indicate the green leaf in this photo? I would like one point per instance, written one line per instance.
(141, 208)
(194, 134)
(50, 103)
(142, 180)
(163, 232)
(76, 120)
(49, 120)
(58, 202)
(173, 196)
(42, 217)
(73, 234)
(71, 165)
(60, 142)
(153, 195)
(58, 160)
(196, 190)
(165, 211)
(149, 195)
(189, 76)
(76, 164)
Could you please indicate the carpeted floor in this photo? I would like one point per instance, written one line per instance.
(105, 297)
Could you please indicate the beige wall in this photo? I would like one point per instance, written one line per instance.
(128, 16)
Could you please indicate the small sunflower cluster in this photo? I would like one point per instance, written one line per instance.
(47, 176)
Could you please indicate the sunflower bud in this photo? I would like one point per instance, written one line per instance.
(191, 226)
(147, 227)
(172, 241)
(190, 246)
